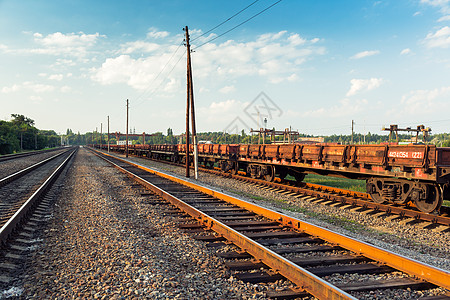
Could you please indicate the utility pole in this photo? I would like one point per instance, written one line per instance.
(353, 122)
(96, 132)
(108, 134)
(187, 109)
(191, 96)
(101, 134)
(126, 142)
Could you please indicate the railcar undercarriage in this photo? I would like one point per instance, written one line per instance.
(428, 197)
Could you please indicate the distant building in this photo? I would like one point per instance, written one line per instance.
(310, 140)
(124, 142)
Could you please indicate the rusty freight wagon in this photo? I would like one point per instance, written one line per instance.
(394, 173)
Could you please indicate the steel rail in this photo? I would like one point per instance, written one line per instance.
(343, 196)
(20, 214)
(24, 154)
(410, 266)
(301, 277)
(20, 173)
(352, 198)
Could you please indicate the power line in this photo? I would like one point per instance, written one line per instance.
(160, 72)
(217, 26)
(240, 24)
(162, 81)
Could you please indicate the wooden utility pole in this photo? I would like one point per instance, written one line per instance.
(353, 122)
(191, 96)
(187, 109)
(108, 134)
(126, 142)
(101, 134)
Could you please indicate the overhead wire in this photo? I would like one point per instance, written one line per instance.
(160, 72)
(154, 80)
(240, 24)
(217, 26)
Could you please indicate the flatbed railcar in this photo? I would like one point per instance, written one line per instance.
(394, 173)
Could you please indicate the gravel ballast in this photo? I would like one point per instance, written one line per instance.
(12, 166)
(105, 242)
(428, 246)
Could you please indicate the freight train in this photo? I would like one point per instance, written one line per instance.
(396, 174)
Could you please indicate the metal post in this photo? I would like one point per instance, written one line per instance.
(108, 134)
(126, 142)
(101, 135)
(352, 130)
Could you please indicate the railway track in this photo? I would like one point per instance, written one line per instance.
(275, 246)
(348, 199)
(21, 191)
(24, 154)
(358, 201)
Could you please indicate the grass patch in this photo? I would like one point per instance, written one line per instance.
(343, 183)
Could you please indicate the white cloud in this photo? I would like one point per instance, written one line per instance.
(363, 54)
(63, 62)
(425, 101)
(137, 73)
(223, 111)
(227, 89)
(11, 89)
(417, 13)
(439, 39)
(405, 51)
(57, 77)
(442, 4)
(138, 46)
(154, 33)
(362, 85)
(65, 89)
(38, 87)
(444, 18)
(345, 107)
(444, 8)
(274, 56)
(28, 85)
(36, 99)
(295, 39)
(71, 44)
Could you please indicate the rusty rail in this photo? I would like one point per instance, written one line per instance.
(298, 275)
(22, 212)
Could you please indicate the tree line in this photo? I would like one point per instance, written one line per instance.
(442, 139)
(19, 134)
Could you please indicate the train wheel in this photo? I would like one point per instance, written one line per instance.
(270, 176)
(433, 201)
(373, 191)
(299, 177)
(377, 198)
(234, 170)
(282, 173)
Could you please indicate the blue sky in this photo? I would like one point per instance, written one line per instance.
(311, 65)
